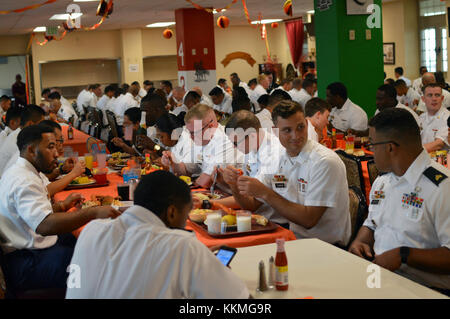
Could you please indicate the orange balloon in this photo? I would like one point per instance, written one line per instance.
(167, 33)
(223, 22)
(274, 25)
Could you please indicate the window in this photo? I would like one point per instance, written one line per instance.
(444, 51)
(430, 8)
(428, 47)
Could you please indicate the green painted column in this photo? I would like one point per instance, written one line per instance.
(357, 63)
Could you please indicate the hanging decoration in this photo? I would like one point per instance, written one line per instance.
(274, 25)
(167, 33)
(247, 15)
(34, 6)
(199, 7)
(287, 7)
(238, 55)
(223, 22)
(105, 8)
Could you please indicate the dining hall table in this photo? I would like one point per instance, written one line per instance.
(79, 141)
(318, 270)
(239, 241)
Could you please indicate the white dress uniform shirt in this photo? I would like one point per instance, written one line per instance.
(125, 103)
(85, 98)
(246, 88)
(256, 94)
(176, 111)
(412, 211)
(136, 256)
(184, 149)
(225, 106)
(294, 93)
(316, 177)
(4, 134)
(435, 127)
(414, 114)
(407, 81)
(24, 204)
(104, 104)
(312, 134)
(302, 97)
(409, 98)
(417, 85)
(265, 118)
(66, 111)
(445, 103)
(142, 93)
(266, 160)
(206, 100)
(8, 149)
(218, 152)
(350, 116)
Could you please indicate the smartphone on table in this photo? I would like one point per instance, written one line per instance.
(226, 254)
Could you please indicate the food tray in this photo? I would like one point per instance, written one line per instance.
(232, 231)
(75, 186)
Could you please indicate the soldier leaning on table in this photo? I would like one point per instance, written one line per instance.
(309, 188)
(408, 226)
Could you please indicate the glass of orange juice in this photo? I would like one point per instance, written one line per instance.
(88, 159)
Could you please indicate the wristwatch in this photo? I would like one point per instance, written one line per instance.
(404, 254)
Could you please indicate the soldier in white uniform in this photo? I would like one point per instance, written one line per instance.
(310, 187)
(408, 226)
(262, 152)
(146, 253)
(434, 120)
(345, 115)
(212, 148)
(317, 112)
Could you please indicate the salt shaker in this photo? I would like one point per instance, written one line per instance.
(271, 272)
(262, 283)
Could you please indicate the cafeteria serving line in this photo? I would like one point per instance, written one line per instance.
(228, 180)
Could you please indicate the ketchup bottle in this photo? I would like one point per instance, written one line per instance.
(281, 267)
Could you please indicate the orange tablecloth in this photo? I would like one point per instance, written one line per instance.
(78, 144)
(242, 241)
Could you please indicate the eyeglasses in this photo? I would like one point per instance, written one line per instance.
(201, 130)
(371, 145)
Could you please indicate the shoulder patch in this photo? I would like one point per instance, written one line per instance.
(435, 176)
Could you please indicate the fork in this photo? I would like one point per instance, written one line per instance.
(214, 182)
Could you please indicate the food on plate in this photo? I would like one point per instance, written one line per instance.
(147, 170)
(119, 155)
(205, 196)
(359, 153)
(99, 200)
(82, 180)
(186, 179)
(199, 215)
(260, 220)
(230, 220)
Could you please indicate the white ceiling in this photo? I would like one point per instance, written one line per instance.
(136, 13)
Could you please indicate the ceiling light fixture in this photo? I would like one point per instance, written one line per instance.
(266, 21)
(66, 16)
(160, 24)
(40, 29)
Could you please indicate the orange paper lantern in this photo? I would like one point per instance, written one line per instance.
(274, 25)
(167, 33)
(287, 7)
(223, 22)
